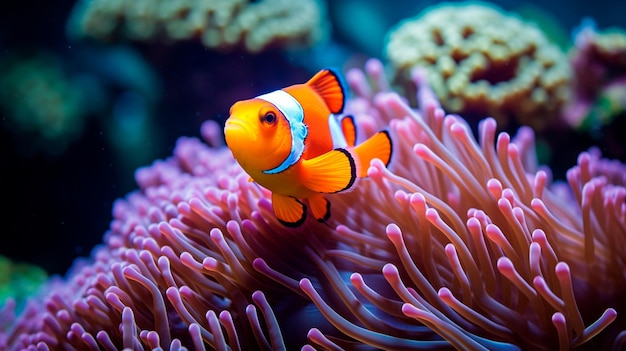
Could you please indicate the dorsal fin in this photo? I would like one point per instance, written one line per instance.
(328, 85)
(349, 129)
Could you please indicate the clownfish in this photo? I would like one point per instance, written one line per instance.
(291, 142)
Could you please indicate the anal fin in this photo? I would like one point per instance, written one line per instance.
(320, 206)
(288, 210)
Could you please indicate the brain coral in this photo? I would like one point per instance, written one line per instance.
(220, 24)
(482, 61)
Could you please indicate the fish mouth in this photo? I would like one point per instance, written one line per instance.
(236, 129)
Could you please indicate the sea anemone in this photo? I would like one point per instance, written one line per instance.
(460, 243)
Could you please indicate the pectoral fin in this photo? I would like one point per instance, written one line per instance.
(288, 210)
(331, 172)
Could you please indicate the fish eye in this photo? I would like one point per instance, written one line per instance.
(269, 118)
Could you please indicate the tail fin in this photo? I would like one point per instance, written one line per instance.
(377, 146)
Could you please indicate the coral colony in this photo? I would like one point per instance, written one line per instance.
(482, 61)
(29, 82)
(599, 67)
(462, 243)
(220, 25)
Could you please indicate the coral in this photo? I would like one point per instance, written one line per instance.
(222, 25)
(598, 59)
(43, 103)
(461, 243)
(18, 281)
(482, 62)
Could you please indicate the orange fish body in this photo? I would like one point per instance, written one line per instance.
(290, 142)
